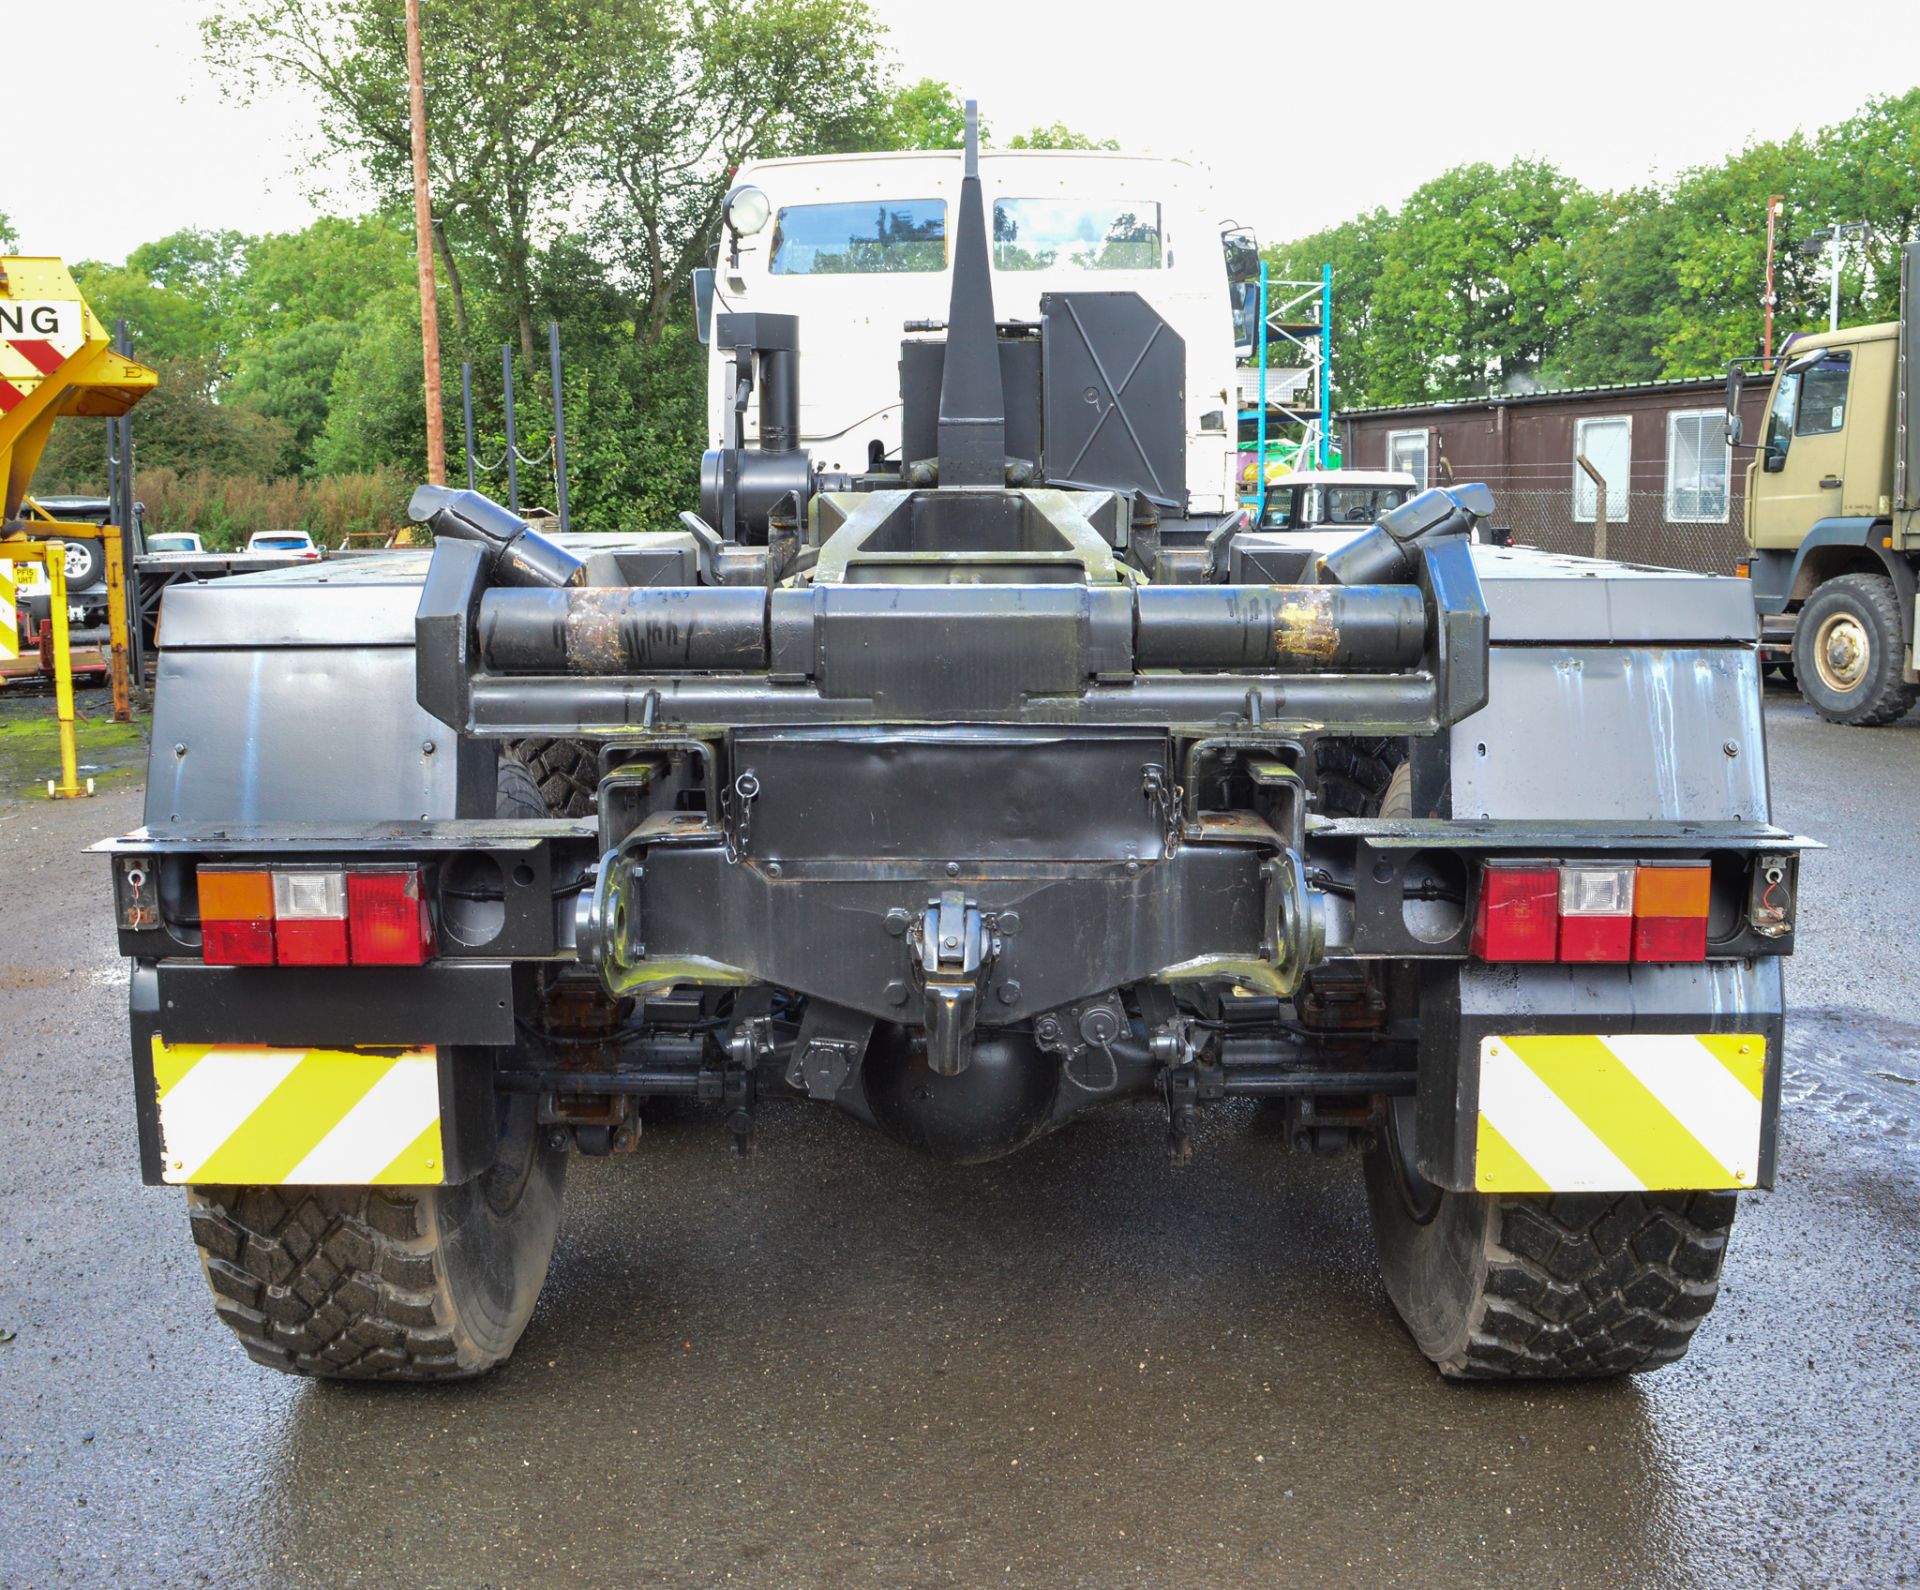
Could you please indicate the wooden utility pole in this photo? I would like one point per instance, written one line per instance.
(423, 248)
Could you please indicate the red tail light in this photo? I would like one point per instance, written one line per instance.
(310, 918)
(1596, 913)
(314, 916)
(236, 916)
(1592, 912)
(1519, 914)
(1670, 912)
(388, 915)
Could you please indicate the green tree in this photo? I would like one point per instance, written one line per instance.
(927, 114)
(290, 380)
(1057, 135)
(179, 425)
(375, 413)
(1468, 277)
(326, 271)
(1353, 248)
(713, 85)
(514, 89)
(175, 295)
(923, 114)
(8, 237)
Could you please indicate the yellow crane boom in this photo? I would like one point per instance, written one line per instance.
(55, 358)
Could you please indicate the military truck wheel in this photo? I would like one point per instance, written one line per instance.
(386, 1283)
(1847, 652)
(1502, 1286)
(1351, 775)
(1398, 799)
(516, 794)
(567, 773)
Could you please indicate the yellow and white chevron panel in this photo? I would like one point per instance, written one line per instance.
(1642, 1111)
(240, 1115)
(9, 613)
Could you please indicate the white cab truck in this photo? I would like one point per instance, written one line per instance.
(858, 247)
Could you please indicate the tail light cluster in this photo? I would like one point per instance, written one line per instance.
(314, 916)
(1592, 911)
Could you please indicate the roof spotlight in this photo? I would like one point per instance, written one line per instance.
(746, 209)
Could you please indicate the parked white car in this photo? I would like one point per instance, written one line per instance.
(282, 541)
(174, 541)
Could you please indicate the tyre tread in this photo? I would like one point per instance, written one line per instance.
(1593, 1284)
(343, 1283)
(566, 772)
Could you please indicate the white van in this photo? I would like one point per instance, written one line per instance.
(858, 246)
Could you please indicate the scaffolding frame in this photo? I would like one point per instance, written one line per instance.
(1296, 316)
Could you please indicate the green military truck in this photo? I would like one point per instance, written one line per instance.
(1833, 513)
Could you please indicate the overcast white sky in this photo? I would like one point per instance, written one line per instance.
(1343, 108)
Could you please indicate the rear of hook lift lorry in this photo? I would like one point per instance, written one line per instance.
(963, 796)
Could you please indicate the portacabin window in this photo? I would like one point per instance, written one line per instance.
(1407, 452)
(864, 238)
(1607, 443)
(1699, 467)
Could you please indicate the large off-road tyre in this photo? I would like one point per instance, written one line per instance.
(386, 1283)
(516, 794)
(1397, 800)
(1847, 652)
(1350, 776)
(567, 773)
(1499, 1286)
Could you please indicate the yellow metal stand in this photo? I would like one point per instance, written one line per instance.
(52, 555)
(113, 546)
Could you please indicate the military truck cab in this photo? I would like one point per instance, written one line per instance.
(1833, 516)
(858, 247)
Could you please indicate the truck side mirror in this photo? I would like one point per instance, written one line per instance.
(703, 303)
(1245, 297)
(1734, 437)
(1243, 255)
(1734, 374)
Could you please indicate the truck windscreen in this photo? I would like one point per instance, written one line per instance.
(862, 238)
(1076, 234)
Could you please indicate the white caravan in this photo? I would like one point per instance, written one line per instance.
(859, 247)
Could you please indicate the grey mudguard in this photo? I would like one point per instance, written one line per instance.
(1617, 694)
(1461, 1006)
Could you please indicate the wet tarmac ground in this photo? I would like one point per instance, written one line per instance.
(836, 1363)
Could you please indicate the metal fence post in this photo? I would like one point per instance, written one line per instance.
(1599, 504)
(513, 441)
(559, 425)
(466, 409)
